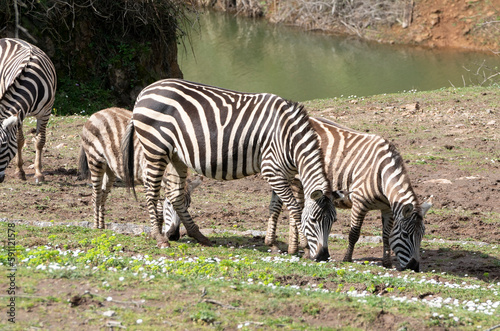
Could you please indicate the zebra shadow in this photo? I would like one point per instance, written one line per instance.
(247, 240)
(461, 262)
(450, 260)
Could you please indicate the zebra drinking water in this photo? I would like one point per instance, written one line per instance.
(27, 88)
(225, 135)
(371, 169)
(101, 160)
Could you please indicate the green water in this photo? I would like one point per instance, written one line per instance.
(255, 56)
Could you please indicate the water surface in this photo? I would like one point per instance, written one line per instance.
(256, 56)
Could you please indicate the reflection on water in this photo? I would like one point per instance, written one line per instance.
(256, 56)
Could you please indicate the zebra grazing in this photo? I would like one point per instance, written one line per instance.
(101, 159)
(370, 168)
(225, 135)
(27, 88)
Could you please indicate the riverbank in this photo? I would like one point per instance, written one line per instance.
(462, 24)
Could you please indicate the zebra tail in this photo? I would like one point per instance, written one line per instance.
(83, 165)
(128, 157)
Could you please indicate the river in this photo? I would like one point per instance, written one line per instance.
(251, 55)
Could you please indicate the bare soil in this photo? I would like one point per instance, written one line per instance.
(466, 24)
(449, 139)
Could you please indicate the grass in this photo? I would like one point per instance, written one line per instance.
(238, 284)
(221, 287)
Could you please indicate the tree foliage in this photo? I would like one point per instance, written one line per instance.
(118, 45)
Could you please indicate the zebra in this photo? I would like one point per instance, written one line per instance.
(100, 160)
(373, 172)
(225, 135)
(27, 88)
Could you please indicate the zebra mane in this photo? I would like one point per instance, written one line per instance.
(399, 163)
(316, 148)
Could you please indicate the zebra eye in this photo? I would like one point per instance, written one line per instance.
(404, 234)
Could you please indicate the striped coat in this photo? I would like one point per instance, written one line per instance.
(371, 169)
(101, 160)
(224, 134)
(27, 88)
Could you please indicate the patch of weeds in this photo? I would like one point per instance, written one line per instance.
(203, 314)
(311, 308)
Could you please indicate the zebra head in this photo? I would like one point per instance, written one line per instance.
(318, 216)
(407, 234)
(8, 142)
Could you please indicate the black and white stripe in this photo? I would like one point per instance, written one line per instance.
(27, 88)
(101, 160)
(223, 134)
(370, 168)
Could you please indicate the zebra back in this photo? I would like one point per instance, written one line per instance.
(364, 164)
(101, 141)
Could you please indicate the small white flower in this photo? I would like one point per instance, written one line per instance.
(139, 321)
(109, 299)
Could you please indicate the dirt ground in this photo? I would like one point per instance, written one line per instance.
(449, 140)
(464, 24)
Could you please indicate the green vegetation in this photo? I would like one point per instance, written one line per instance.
(223, 288)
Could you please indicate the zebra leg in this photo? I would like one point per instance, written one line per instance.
(275, 207)
(41, 125)
(176, 193)
(281, 187)
(108, 181)
(152, 182)
(19, 156)
(97, 177)
(387, 223)
(298, 193)
(358, 214)
(171, 221)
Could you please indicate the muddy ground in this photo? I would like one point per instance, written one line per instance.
(449, 139)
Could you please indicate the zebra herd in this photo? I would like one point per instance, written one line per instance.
(312, 165)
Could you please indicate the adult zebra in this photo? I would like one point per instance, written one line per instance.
(371, 169)
(225, 135)
(101, 161)
(27, 88)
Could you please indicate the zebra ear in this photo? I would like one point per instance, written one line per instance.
(9, 121)
(407, 209)
(427, 205)
(316, 195)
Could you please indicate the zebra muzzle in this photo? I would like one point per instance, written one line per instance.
(322, 254)
(413, 265)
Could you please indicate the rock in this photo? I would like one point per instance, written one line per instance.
(109, 313)
(438, 181)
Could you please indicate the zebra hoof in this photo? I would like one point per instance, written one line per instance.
(275, 249)
(206, 242)
(21, 175)
(39, 179)
(307, 254)
(163, 244)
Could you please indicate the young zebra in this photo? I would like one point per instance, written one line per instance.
(370, 168)
(227, 135)
(27, 88)
(101, 160)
